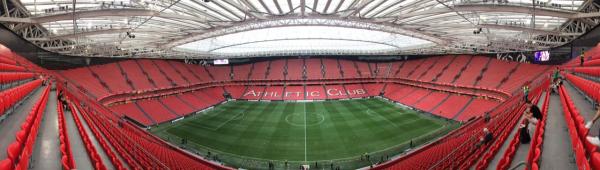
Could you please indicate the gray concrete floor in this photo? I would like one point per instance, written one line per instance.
(12, 124)
(46, 153)
(522, 149)
(557, 152)
(80, 155)
(585, 107)
(101, 152)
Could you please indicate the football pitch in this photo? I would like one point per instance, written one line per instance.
(248, 133)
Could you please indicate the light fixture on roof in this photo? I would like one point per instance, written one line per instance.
(207, 1)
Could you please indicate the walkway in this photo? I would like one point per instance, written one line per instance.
(585, 108)
(557, 152)
(522, 149)
(46, 153)
(96, 144)
(80, 155)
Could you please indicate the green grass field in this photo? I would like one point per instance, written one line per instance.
(303, 132)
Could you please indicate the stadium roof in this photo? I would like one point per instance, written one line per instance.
(248, 28)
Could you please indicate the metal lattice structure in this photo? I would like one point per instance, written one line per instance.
(157, 28)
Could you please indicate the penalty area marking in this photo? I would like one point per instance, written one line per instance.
(236, 117)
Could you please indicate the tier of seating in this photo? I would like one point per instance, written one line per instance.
(19, 151)
(92, 152)
(577, 131)
(67, 160)
(6, 78)
(10, 97)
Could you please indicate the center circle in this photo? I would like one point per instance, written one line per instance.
(297, 119)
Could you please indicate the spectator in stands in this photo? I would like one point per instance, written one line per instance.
(555, 74)
(486, 138)
(594, 139)
(526, 92)
(487, 117)
(582, 57)
(535, 111)
(524, 135)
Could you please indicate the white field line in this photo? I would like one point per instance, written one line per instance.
(305, 140)
(224, 123)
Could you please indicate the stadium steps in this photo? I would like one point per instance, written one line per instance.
(212, 78)
(439, 104)
(444, 69)
(429, 68)
(463, 109)
(100, 80)
(185, 102)
(416, 68)
(185, 65)
(46, 151)
(421, 99)
(508, 75)
(101, 152)
(127, 80)
(325, 90)
(407, 94)
(178, 72)
(462, 69)
(399, 68)
(163, 73)
(145, 114)
(145, 73)
(557, 151)
(322, 68)
(283, 91)
(80, 156)
(483, 71)
(582, 102)
(168, 108)
(13, 121)
(522, 149)
(339, 66)
(94, 141)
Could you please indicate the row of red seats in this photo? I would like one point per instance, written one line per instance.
(501, 131)
(453, 150)
(128, 148)
(592, 71)
(12, 77)
(67, 160)
(99, 137)
(10, 97)
(19, 151)
(535, 147)
(591, 88)
(89, 147)
(6, 60)
(10, 67)
(577, 131)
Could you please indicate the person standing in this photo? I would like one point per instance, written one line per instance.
(582, 58)
(594, 139)
(526, 92)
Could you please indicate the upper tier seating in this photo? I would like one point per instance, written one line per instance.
(173, 74)
(331, 69)
(436, 69)
(295, 69)
(6, 77)
(423, 68)
(241, 72)
(473, 70)
(454, 68)
(220, 73)
(313, 69)
(111, 75)
(135, 75)
(277, 70)
(348, 69)
(259, 72)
